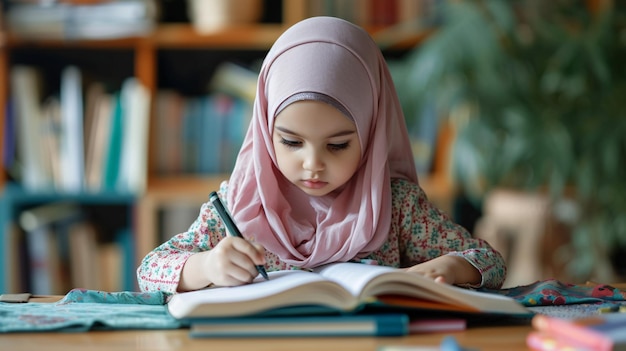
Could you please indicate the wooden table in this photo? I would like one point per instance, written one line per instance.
(492, 338)
(509, 338)
(505, 338)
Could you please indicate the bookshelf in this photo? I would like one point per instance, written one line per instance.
(142, 57)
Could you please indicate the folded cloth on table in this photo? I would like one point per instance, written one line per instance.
(83, 310)
(553, 292)
(565, 300)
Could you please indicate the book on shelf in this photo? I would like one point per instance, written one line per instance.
(45, 246)
(50, 138)
(198, 134)
(71, 144)
(223, 124)
(393, 324)
(209, 133)
(97, 134)
(94, 20)
(191, 134)
(45, 271)
(235, 80)
(112, 154)
(338, 287)
(66, 249)
(167, 145)
(135, 103)
(84, 138)
(602, 332)
(83, 254)
(26, 89)
(237, 113)
(371, 12)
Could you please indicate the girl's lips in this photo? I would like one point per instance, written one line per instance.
(314, 184)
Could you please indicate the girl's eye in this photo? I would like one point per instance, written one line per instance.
(338, 147)
(290, 143)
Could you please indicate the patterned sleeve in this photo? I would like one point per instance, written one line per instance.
(161, 268)
(426, 232)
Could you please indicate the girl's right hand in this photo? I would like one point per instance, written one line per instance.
(231, 262)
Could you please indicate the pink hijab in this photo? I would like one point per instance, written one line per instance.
(330, 56)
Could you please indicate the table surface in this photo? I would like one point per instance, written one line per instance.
(489, 338)
(492, 338)
(503, 338)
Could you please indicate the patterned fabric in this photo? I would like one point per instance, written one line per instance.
(83, 310)
(564, 300)
(419, 232)
(552, 292)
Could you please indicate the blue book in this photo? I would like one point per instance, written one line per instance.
(192, 134)
(211, 128)
(237, 124)
(113, 153)
(303, 326)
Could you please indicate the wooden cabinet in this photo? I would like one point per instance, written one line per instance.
(144, 64)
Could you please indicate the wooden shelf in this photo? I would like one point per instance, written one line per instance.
(184, 185)
(166, 36)
(176, 36)
(167, 190)
(15, 41)
(245, 36)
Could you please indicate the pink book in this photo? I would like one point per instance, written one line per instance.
(605, 332)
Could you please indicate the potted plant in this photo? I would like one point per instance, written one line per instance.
(535, 90)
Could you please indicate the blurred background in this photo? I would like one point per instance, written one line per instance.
(119, 117)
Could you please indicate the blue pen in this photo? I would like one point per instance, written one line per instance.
(231, 228)
(449, 344)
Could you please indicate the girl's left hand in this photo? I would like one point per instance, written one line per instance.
(448, 269)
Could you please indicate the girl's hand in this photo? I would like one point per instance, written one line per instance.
(231, 262)
(448, 269)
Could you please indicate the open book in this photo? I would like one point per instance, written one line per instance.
(342, 287)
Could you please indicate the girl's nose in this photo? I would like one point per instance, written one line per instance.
(313, 162)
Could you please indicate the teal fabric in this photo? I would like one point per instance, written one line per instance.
(116, 298)
(83, 310)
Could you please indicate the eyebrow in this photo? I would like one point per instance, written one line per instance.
(338, 134)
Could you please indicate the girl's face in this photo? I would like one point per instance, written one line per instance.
(317, 147)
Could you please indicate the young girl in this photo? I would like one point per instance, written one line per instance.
(325, 174)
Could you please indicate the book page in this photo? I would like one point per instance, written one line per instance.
(283, 289)
(370, 280)
(365, 281)
(352, 276)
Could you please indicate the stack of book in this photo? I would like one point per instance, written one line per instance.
(83, 139)
(203, 134)
(603, 332)
(93, 20)
(65, 249)
(340, 299)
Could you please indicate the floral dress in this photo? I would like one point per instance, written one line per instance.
(419, 232)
